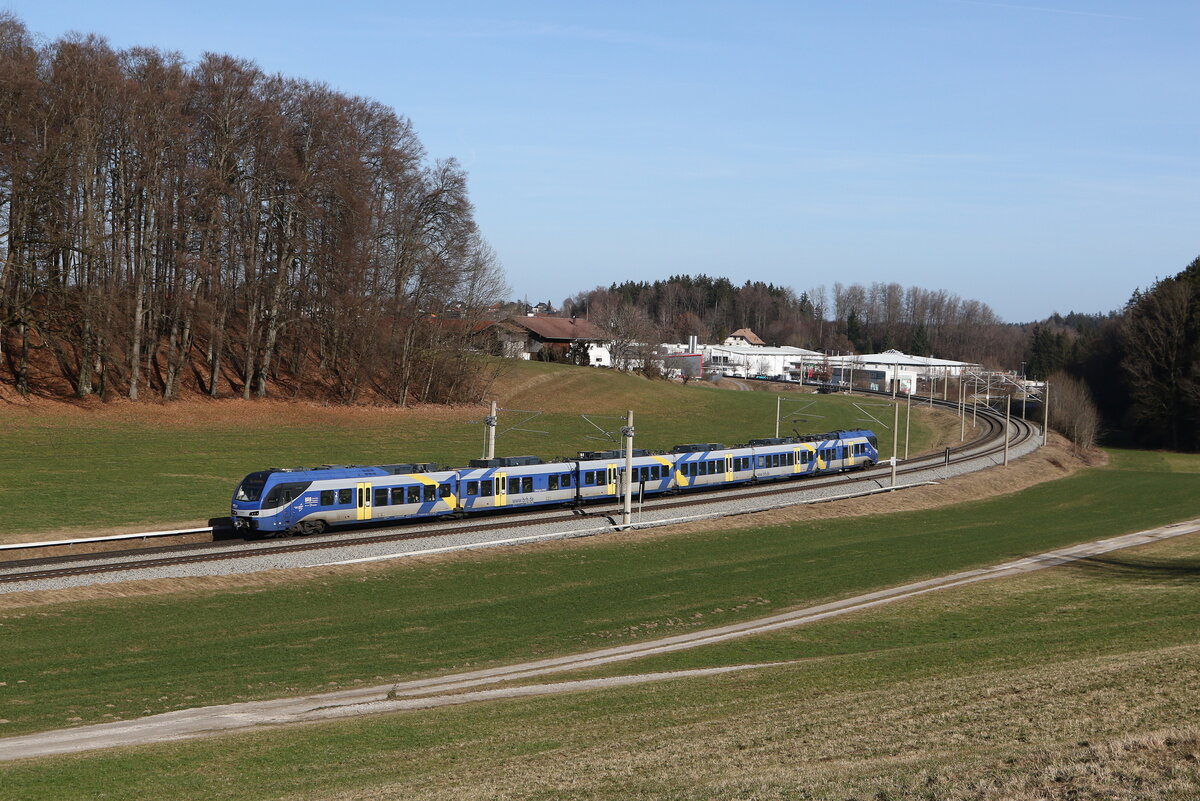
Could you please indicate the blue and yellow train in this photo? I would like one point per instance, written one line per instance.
(309, 501)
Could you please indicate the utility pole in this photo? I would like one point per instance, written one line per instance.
(962, 412)
(778, 404)
(627, 431)
(489, 445)
(895, 441)
(1045, 412)
(1007, 418)
(907, 422)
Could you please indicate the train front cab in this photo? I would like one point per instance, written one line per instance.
(307, 501)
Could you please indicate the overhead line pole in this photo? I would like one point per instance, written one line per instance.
(895, 440)
(1045, 412)
(628, 432)
(962, 412)
(907, 422)
(1007, 418)
(489, 446)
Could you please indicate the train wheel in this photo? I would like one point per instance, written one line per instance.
(312, 527)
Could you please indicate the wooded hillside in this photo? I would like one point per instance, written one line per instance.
(165, 224)
(853, 317)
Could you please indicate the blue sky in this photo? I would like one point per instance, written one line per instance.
(1039, 157)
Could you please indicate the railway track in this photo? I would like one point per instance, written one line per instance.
(987, 444)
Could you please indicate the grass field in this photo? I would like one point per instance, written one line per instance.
(88, 662)
(1080, 682)
(138, 466)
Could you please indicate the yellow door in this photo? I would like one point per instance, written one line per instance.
(796, 465)
(364, 501)
(501, 494)
(612, 479)
(728, 467)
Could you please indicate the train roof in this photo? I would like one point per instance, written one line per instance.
(506, 461)
(613, 454)
(697, 447)
(345, 470)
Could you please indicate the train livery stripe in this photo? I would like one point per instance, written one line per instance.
(680, 478)
(450, 499)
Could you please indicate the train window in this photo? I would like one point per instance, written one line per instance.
(472, 487)
(762, 462)
(703, 468)
(397, 496)
(444, 490)
(430, 492)
(552, 482)
(381, 497)
(514, 486)
(566, 480)
(345, 496)
(485, 488)
(527, 484)
(414, 494)
(327, 497)
(499, 486)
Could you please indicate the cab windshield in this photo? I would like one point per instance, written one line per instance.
(251, 487)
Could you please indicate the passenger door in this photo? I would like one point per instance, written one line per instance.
(501, 493)
(364, 501)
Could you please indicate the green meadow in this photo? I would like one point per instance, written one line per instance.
(144, 467)
(1084, 677)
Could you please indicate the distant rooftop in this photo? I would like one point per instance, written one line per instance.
(748, 335)
(561, 328)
